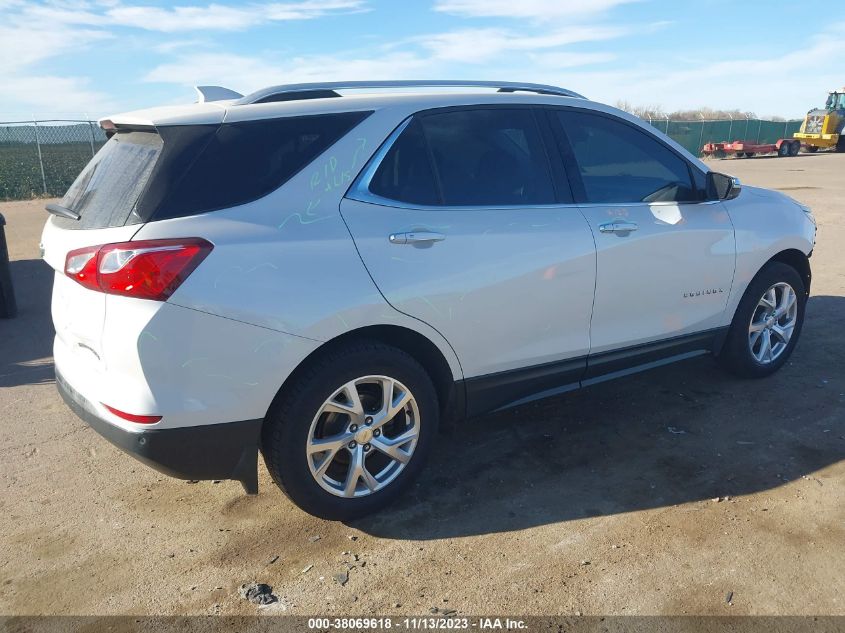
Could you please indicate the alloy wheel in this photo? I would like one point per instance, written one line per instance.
(773, 323)
(363, 436)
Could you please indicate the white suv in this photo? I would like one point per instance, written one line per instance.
(323, 272)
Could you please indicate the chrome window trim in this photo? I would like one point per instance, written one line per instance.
(360, 189)
(649, 204)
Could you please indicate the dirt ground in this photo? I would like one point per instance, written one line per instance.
(598, 502)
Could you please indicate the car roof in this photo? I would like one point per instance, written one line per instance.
(402, 99)
(216, 103)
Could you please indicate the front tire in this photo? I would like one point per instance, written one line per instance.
(767, 323)
(351, 431)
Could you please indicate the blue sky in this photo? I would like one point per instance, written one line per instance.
(69, 58)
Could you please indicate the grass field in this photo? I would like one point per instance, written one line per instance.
(20, 172)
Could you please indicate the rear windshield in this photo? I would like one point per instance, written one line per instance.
(107, 190)
(186, 170)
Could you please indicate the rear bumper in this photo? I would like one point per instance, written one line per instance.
(211, 451)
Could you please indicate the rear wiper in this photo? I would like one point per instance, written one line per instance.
(64, 212)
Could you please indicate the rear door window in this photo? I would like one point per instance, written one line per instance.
(107, 190)
(489, 157)
(405, 173)
(619, 163)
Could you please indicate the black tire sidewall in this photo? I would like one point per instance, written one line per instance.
(292, 422)
(736, 354)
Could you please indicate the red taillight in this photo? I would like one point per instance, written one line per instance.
(147, 269)
(81, 266)
(131, 417)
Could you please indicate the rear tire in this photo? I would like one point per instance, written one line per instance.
(749, 154)
(319, 408)
(765, 315)
(794, 148)
(783, 150)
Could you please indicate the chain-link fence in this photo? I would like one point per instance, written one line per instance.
(692, 135)
(42, 158)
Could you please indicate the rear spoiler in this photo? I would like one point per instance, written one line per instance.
(209, 109)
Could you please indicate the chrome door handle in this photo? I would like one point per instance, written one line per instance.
(416, 237)
(618, 227)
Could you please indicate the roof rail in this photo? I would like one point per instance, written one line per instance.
(289, 92)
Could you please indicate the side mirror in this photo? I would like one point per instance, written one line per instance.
(722, 187)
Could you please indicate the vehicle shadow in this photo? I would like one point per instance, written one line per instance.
(26, 341)
(675, 435)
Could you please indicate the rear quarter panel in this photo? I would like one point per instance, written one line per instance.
(287, 262)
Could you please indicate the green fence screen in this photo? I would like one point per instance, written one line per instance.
(692, 135)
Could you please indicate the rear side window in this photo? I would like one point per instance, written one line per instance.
(107, 190)
(179, 171)
(489, 157)
(247, 160)
(619, 163)
(405, 173)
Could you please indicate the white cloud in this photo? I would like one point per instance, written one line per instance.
(479, 45)
(532, 9)
(174, 45)
(432, 55)
(24, 44)
(246, 74)
(33, 33)
(216, 17)
(38, 95)
(554, 61)
(779, 85)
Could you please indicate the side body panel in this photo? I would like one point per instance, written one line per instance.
(766, 223)
(669, 277)
(509, 287)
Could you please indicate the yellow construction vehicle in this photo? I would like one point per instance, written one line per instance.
(824, 127)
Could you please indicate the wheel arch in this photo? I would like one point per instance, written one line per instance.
(792, 257)
(449, 388)
(799, 261)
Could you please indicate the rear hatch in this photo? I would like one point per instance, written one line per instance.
(104, 197)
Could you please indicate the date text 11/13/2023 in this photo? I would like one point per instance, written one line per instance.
(417, 623)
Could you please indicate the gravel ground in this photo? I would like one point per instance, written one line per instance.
(678, 491)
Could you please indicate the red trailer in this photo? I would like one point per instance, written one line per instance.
(783, 147)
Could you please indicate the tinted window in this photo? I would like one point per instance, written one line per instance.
(405, 172)
(244, 161)
(106, 191)
(489, 157)
(619, 163)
